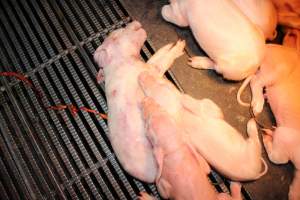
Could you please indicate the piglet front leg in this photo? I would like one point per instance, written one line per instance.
(275, 148)
(163, 59)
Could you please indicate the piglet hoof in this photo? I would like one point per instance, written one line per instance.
(145, 196)
(201, 62)
(177, 49)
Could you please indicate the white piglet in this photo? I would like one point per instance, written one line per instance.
(235, 46)
(202, 121)
(119, 57)
(182, 173)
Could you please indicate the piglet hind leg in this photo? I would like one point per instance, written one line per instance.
(275, 149)
(165, 56)
(276, 146)
(235, 190)
(201, 107)
(201, 62)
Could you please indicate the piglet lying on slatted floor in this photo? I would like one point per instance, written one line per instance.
(280, 75)
(119, 57)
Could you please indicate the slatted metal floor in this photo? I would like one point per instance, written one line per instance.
(47, 154)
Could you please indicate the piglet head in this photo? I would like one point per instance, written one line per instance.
(122, 43)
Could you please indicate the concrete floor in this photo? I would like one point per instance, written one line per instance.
(207, 84)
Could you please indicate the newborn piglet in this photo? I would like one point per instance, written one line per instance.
(182, 173)
(235, 45)
(222, 146)
(120, 63)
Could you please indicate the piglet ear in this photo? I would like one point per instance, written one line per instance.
(102, 57)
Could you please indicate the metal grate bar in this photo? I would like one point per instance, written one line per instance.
(48, 29)
(36, 29)
(7, 119)
(64, 80)
(3, 192)
(26, 34)
(9, 176)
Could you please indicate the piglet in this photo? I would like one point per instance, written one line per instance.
(262, 13)
(182, 173)
(233, 43)
(279, 74)
(222, 146)
(120, 64)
